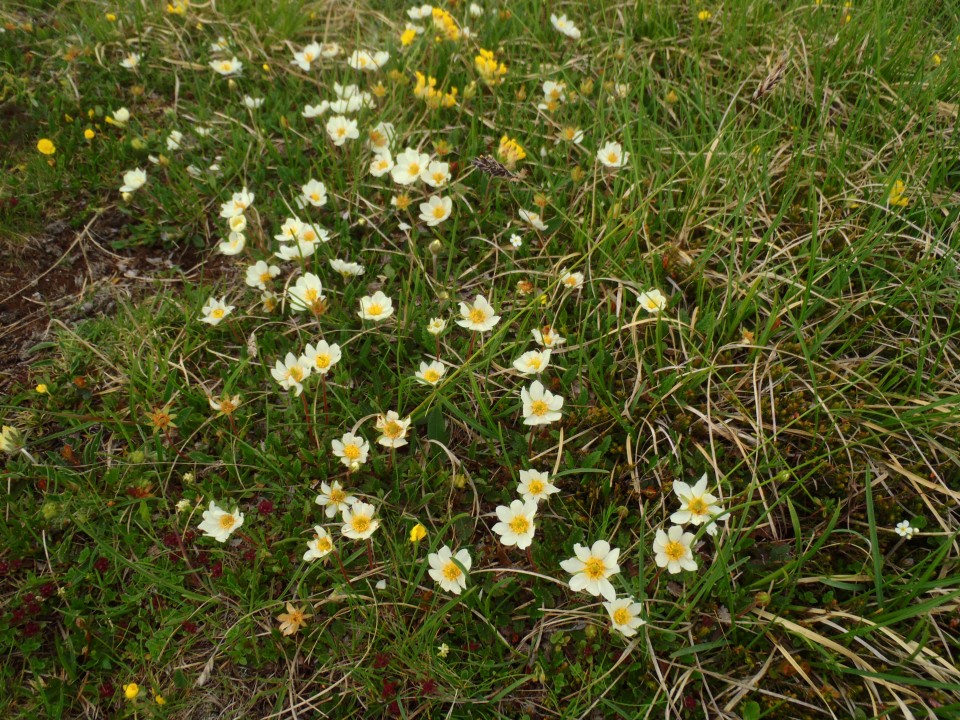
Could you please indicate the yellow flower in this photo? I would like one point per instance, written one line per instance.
(158, 698)
(177, 7)
(936, 59)
(89, 133)
(444, 22)
(131, 691)
(46, 146)
(42, 389)
(510, 152)
(266, 68)
(704, 15)
(417, 533)
(408, 36)
(671, 97)
(293, 619)
(491, 72)
(896, 194)
(111, 17)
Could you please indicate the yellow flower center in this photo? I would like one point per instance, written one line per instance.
(519, 525)
(377, 138)
(570, 280)
(351, 452)
(341, 131)
(438, 177)
(227, 521)
(539, 408)
(477, 315)
(439, 212)
(315, 196)
(413, 168)
(360, 523)
(621, 616)
(697, 506)
(675, 550)
(296, 373)
(431, 376)
(451, 572)
(595, 568)
(374, 309)
(535, 487)
(217, 313)
(534, 363)
(310, 294)
(227, 406)
(612, 157)
(324, 544)
(265, 277)
(308, 56)
(337, 496)
(323, 361)
(392, 429)
(225, 66)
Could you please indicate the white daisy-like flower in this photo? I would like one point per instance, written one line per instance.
(305, 58)
(436, 210)
(174, 139)
(436, 174)
(234, 244)
(516, 526)
(548, 337)
(408, 165)
(591, 568)
(334, 499)
(214, 311)
(252, 103)
(131, 61)
(653, 301)
(673, 550)
(516, 241)
(312, 111)
(532, 362)
(478, 316)
(393, 430)
(340, 129)
(375, 307)
(436, 326)
(532, 219)
(259, 275)
(220, 524)
(625, 615)
(290, 373)
(120, 117)
(381, 164)
(905, 530)
(352, 450)
(449, 571)
(314, 193)
(536, 486)
(420, 12)
(320, 546)
(133, 180)
(540, 406)
(237, 205)
(565, 26)
(227, 67)
(346, 269)
(380, 137)
(612, 155)
(306, 293)
(571, 280)
(430, 373)
(329, 50)
(321, 358)
(359, 521)
(697, 506)
(238, 223)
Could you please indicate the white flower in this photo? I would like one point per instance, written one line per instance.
(673, 550)
(346, 269)
(430, 373)
(121, 117)
(131, 61)
(478, 315)
(363, 60)
(420, 13)
(905, 530)
(352, 450)
(298, 250)
(334, 499)
(220, 45)
(312, 111)
(375, 307)
(475, 10)
(220, 524)
(436, 174)
(359, 522)
(553, 91)
(260, 274)
(305, 57)
(653, 301)
(697, 506)
(227, 67)
(307, 293)
(516, 241)
(252, 103)
(329, 50)
(322, 357)
(548, 337)
(571, 280)
(408, 166)
(393, 430)
(381, 164)
(516, 526)
(532, 219)
(381, 136)
(340, 129)
(174, 139)
(436, 326)
(133, 180)
(570, 134)
(320, 546)
(536, 486)
(540, 406)
(214, 311)
(314, 192)
(449, 571)
(612, 155)
(310, 234)
(234, 244)
(291, 373)
(565, 26)
(591, 567)
(533, 362)
(202, 130)
(625, 615)
(436, 210)
(443, 650)
(238, 223)
(237, 205)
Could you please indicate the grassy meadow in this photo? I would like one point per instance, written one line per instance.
(486, 360)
